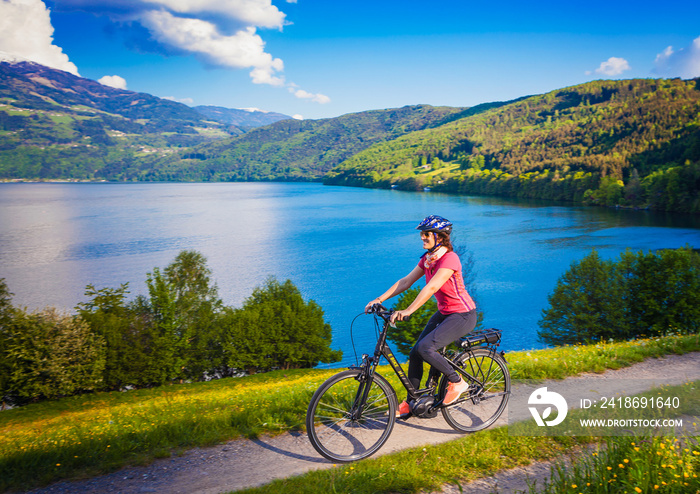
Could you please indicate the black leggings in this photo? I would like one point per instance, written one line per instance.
(440, 331)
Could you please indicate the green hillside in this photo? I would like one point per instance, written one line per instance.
(57, 125)
(298, 149)
(633, 143)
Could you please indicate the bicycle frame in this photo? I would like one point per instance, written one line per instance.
(382, 349)
(352, 414)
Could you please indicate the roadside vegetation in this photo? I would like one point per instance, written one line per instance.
(108, 387)
(95, 433)
(631, 464)
(180, 332)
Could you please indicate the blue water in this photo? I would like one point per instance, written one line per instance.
(341, 246)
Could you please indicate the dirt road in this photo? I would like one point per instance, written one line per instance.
(246, 463)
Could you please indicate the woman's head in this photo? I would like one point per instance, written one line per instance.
(435, 232)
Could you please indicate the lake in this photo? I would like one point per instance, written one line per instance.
(341, 246)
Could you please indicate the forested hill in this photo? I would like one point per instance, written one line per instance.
(299, 149)
(617, 143)
(630, 143)
(55, 125)
(244, 119)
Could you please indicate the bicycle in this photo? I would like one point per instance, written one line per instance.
(352, 414)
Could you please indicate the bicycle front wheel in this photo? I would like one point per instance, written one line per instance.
(342, 424)
(484, 401)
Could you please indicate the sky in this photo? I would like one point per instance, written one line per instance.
(324, 58)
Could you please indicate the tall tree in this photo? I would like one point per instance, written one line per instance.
(585, 305)
(185, 305)
(276, 328)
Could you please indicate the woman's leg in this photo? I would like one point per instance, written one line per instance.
(452, 328)
(415, 362)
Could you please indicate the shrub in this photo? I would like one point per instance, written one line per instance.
(49, 354)
(642, 294)
(275, 328)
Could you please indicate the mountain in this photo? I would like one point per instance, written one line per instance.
(633, 143)
(54, 124)
(297, 149)
(243, 119)
(630, 143)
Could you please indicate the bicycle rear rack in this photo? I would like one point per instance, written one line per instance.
(490, 337)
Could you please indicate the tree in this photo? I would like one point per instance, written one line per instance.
(275, 328)
(49, 355)
(185, 307)
(128, 333)
(585, 305)
(663, 291)
(642, 294)
(634, 192)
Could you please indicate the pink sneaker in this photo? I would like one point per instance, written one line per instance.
(403, 409)
(454, 390)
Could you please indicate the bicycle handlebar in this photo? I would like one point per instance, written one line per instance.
(383, 312)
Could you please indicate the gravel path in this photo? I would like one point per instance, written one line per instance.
(246, 463)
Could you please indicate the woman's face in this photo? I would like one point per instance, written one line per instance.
(428, 240)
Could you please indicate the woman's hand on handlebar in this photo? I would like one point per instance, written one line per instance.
(400, 315)
(368, 307)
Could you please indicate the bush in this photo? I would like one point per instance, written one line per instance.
(181, 331)
(642, 294)
(275, 328)
(129, 335)
(49, 355)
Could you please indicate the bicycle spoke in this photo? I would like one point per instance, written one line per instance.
(487, 396)
(334, 427)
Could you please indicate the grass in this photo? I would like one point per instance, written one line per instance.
(426, 469)
(631, 464)
(618, 466)
(86, 435)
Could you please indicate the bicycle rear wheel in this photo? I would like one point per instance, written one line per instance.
(336, 426)
(482, 404)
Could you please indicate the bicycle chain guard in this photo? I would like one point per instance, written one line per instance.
(423, 407)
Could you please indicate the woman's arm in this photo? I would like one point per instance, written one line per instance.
(436, 282)
(399, 287)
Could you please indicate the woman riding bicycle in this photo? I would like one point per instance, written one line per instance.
(456, 315)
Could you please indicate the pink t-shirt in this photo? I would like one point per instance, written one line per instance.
(452, 297)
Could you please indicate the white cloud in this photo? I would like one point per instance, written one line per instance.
(222, 33)
(613, 66)
(318, 98)
(254, 110)
(113, 81)
(186, 101)
(26, 31)
(244, 49)
(260, 13)
(683, 63)
(298, 117)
